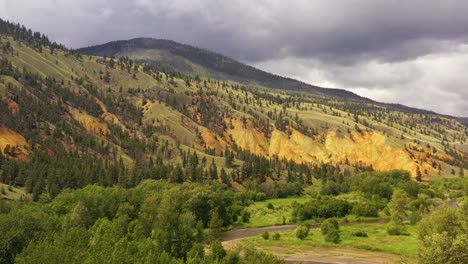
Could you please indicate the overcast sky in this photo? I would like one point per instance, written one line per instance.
(409, 52)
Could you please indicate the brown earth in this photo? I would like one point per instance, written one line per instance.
(13, 139)
(90, 123)
(366, 148)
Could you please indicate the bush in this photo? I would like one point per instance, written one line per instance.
(217, 250)
(328, 225)
(197, 251)
(415, 217)
(333, 236)
(323, 207)
(396, 230)
(270, 206)
(359, 234)
(276, 236)
(266, 235)
(365, 209)
(245, 216)
(330, 230)
(302, 232)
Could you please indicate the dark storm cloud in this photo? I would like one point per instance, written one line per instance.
(383, 49)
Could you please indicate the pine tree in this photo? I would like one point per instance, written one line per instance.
(418, 175)
(213, 170)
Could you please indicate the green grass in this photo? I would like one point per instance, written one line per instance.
(12, 193)
(260, 215)
(377, 240)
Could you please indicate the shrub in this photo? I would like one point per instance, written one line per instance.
(359, 234)
(245, 216)
(365, 209)
(328, 225)
(333, 236)
(270, 206)
(415, 217)
(276, 236)
(323, 207)
(266, 235)
(217, 250)
(330, 230)
(302, 232)
(396, 230)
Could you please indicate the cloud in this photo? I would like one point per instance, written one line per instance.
(387, 50)
(434, 81)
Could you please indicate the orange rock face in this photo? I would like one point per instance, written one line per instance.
(15, 140)
(13, 106)
(367, 148)
(90, 123)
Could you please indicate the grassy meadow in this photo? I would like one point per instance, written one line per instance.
(378, 240)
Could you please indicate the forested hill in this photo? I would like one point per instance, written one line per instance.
(177, 57)
(68, 120)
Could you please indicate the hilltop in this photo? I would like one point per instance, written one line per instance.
(172, 56)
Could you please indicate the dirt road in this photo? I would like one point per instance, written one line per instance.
(236, 234)
(314, 255)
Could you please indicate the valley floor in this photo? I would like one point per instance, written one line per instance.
(312, 252)
(378, 247)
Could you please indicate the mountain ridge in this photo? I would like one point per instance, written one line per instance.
(119, 48)
(215, 61)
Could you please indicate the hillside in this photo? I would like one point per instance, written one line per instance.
(176, 57)
(119, 120)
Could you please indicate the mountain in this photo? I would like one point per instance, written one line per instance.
(69, 119)
(173, 56)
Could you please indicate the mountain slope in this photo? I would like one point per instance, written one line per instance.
(173, 56)
(68, 120)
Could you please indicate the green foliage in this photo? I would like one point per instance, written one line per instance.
(322, 207)
(217, 250)
(66, 247)
(266, 235)
(415, 217)
(330, 230)
(377, 240)
(253, 256)
(370, 209)
(443, 236)
(359, 234)
(396, 230)
(276, 236)
(397, 207)
(439, 248)
(302, 231)
(155, 221)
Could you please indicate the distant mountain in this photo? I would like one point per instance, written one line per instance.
(174, 56)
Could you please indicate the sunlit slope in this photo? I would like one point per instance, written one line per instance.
(209, 116)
